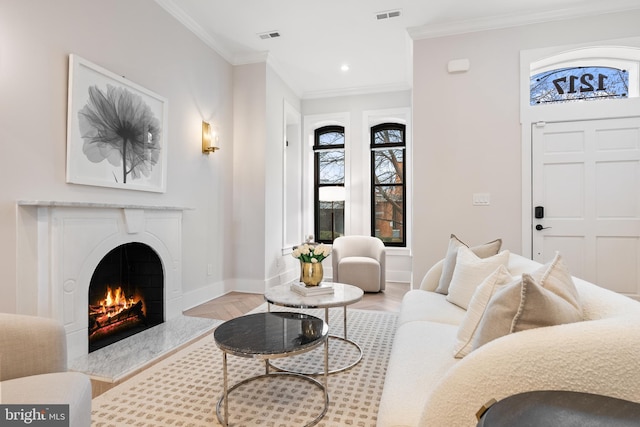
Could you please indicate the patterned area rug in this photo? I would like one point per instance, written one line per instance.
(183, 389)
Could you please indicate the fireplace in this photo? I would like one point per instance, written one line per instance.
(63, 245)
(125, 294)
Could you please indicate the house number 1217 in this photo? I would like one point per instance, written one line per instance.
(585, 85)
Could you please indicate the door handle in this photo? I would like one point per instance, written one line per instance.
(540, 227)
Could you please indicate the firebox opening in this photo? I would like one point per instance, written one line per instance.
(126, 294)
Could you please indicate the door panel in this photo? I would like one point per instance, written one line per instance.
(615, 195)
(586, 174)
(564, 190)
(621, 275)
(571, 248)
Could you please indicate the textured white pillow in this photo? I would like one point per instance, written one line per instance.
(449, 265)
(477, 306)
(470, 271)
(545, 297)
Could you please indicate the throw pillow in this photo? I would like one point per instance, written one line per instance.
(483, 251)
(546, 297)
(470, 271)
(477, 306)
(555, 276)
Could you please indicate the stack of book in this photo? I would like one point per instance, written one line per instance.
(321, 289)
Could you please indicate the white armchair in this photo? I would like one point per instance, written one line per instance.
(359, 261)
(33, 367)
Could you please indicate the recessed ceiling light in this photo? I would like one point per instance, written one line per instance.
(344, 67)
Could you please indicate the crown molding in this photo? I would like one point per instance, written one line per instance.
(174, 10)
(518, 19)
(362, 90)
(251, 58)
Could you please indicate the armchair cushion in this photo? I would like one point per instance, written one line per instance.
(69, 388)
(33, 367)
(23, 342)
(361, 271)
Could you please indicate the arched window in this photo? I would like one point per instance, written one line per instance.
(329, 191)
(388, 183)
(585, 74)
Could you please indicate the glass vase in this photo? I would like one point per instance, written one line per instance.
(311, 273)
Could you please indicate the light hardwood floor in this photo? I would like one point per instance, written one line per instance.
(236, 304)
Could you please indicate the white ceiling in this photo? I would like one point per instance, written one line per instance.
(317, 38)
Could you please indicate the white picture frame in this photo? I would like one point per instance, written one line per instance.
(116, 131)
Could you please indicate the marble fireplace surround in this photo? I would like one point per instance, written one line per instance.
(61, 243)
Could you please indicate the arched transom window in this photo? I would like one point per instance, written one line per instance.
(587, 74)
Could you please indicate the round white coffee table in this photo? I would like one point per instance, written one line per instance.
(342, 296)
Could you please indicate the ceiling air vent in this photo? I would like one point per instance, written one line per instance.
(387, 14)
(269, 35)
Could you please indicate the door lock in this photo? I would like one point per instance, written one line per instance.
(540, 227)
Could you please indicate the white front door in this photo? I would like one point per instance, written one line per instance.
(586, 179)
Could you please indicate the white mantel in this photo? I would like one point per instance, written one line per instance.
(95, 205)
(61, 243)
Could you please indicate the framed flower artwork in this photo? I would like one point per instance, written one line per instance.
(116, 131)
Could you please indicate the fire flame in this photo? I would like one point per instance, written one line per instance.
(115, 311)
(115, 302)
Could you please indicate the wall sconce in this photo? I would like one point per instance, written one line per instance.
(209, 139)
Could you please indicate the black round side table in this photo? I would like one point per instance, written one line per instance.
(562, 409)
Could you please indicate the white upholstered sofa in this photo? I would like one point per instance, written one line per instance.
(33, 367)
(426, 385)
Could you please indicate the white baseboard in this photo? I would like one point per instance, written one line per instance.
(201, 295)
(398, 276)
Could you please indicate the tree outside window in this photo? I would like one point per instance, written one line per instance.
(329, 183)
(388, 189)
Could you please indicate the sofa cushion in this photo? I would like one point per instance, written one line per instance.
(519, 265)
(419, 305)
(600, 303)
(483, 251)
(547, 297)
(420, 357)
(477, 306)
(470, 271)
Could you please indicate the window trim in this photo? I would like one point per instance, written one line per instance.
(377, 147)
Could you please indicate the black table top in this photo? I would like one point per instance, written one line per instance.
(561, 408)
(271, 335)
